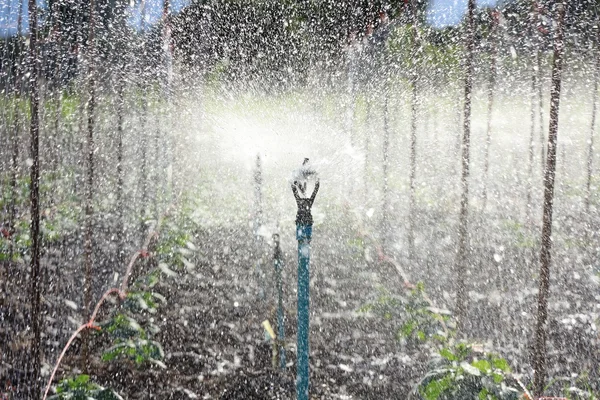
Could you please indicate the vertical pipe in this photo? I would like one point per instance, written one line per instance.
(539, 360)
(303, 235)
(278, 264)
(34, 197)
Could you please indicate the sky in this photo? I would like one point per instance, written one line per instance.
(450, 12)
(9, 11)
(441, 12)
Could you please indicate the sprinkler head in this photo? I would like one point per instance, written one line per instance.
(304, 177)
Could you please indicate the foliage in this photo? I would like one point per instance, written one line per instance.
(56, 222)
(173, 248)
(419, 322)
(461, 371)
(138, 350)
(131, 328)
(458, 370)
(576, 387)
(80, 388)
(129, 332)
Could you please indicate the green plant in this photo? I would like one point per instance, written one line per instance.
(419, 321)
(132, 340)
(579, 387)
(462, 371)
(138, 350)
(80, 388)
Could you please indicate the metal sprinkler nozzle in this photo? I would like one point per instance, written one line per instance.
(304, 215)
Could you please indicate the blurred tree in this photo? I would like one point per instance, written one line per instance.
(34, 200)
(539, 356)
(463, 240)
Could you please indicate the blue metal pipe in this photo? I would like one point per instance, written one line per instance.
(303, 235)
(278, 263)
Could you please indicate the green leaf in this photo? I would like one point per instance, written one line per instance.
(498, 378)
(447, 354)
(501, 364)
(482, 365)
(436, 388)
(407, 328)
(483, 394)
(81, 380)
(366, 308)
(80, 388)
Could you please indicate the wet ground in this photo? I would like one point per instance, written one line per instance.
(214, 343)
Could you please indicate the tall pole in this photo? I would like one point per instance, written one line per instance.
(304, 222)
(461, 259)
(539, 357)
(89, 198)
(303, 235)
(278, 264)
(34, 197)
